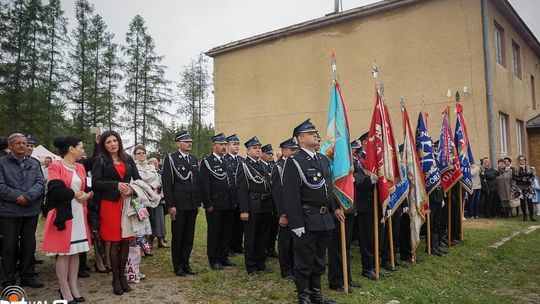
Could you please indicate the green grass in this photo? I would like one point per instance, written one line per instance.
(472, 273)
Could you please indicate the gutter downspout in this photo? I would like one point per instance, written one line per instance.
(489, 82)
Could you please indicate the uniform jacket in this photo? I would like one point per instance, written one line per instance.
(24, 178)
(254, 196)
(216, 183)
(232, 167)
(363, 190)
(277, 186)
(297, 195)
(180, 180)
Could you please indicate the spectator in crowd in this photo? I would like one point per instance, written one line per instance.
(31, 142)
(505, 187)
(474, 201)
(149, 175)
(492, 200)
(111, 175)
(21, 188)
(45, 167)
(508, 162)
(66, 231)
(524, 177)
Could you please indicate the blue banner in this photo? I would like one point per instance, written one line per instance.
(463, 154)
(424, 145)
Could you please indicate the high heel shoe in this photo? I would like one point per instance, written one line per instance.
(107, 269)
(74, 301)
(125, 285)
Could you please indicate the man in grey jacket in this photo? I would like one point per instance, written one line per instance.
(21, 188)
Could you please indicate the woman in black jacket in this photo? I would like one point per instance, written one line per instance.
(524, 177)
(111, 174)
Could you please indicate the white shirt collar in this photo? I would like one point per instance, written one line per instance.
(232, 155)
(312, 154)
(183, 154)
(217, 156)
(262, 161)
(252, 158)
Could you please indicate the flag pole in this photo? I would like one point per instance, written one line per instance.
(428, 230)
(449, 217)
(391, 241)
(333, 63)
(376, 230)
(344, 256)
(461, 211)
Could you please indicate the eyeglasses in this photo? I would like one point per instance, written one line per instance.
(140, 153)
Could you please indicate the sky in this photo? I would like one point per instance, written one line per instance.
(183, 29)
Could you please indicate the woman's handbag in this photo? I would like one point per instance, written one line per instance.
(515, 200)
(138, 205)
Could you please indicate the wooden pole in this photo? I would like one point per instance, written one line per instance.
(391, 241)
(344, 257)
(428, 232)
(376, 231)
(461, 211)
(449, 218)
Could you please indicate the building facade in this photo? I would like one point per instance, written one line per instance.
(265, 85)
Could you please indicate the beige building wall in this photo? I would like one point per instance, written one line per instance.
(513, 94)
(421, 51)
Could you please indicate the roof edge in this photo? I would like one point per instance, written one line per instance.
(330, 19)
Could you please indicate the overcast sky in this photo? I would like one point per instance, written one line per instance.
(182, 29)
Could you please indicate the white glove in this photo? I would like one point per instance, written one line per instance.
(374, 179)
(405, 209)
(443, 203)
(299, 231)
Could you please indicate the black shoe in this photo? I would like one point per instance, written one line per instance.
(442, 250)
(288, 278)
(31, 282)
(79, 299)
(354, 284)
(266, 270)
(227, 262)
(106, 270)
(217, 266)
(271, 254)
(388, 266)
(255, 273)
(125, 285)
(83, 274)
(370, 275)
(342, 289)
(38, 261)
(180, 273)
(117, 288)
(533, 219)
(231, 254)
(455, 242)
(190, 271)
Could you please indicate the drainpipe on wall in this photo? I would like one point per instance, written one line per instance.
(489, 83)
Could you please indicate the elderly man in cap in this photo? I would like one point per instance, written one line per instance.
(180, 181)
(255, 199)
(216, 194)
(310, 207)
(285, 240)
(233, 159)
(21, 188)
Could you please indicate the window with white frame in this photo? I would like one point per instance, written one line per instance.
(500, 55)
(503, 129)
(516, 59)
(519, 136)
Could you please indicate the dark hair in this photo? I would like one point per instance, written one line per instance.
(63, 143)
(508, 159)
(501, 161)
(103, 151)
(139, 147)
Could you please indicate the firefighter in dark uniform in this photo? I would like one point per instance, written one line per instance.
(436, 204)
(181, 192)
(443, 224)
(285, 240)
(310, 207)
(267, 158)
(216, 195)
(233, 159)
(255, 199)
(335, 265)
(364, 195)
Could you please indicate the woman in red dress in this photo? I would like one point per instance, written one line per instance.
(111, 174)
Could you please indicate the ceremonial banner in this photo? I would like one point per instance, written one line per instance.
(337, 149)
(448, 161)
(381, 159)
(400, 192)
(464, 150)
(418, 197)
(424, 146)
